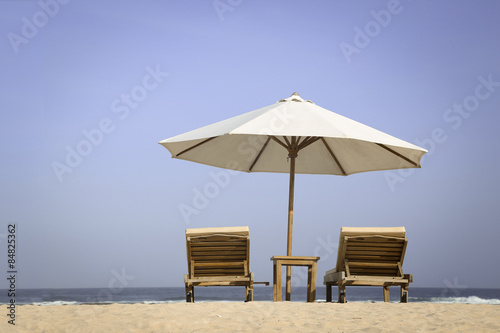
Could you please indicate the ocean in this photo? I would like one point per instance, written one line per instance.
(237, 294)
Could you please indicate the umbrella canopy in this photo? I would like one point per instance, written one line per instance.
(294, 136)
(324, 142)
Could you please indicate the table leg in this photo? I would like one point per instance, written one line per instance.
(275, 294)
(278, 281)
(313, 281)
(309, 283)
(288, 282)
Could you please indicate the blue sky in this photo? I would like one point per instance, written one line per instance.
(88, 88)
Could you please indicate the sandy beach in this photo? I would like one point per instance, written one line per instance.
(256, 317)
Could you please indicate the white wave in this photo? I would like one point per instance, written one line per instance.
(162, 302)
(55, 303)
(464, 300)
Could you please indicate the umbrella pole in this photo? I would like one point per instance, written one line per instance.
(290, 225)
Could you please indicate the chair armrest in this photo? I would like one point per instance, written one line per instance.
(333, 276)
(409, 277)
(266, 283)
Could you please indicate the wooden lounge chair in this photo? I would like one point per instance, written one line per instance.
(369, 257)
(218, 257)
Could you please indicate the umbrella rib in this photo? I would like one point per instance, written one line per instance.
(278, 141)
(287, 142)
(308, 142)
(334, 157)
(300, 143)
(260, 153)
(398, 155)
(196, 145)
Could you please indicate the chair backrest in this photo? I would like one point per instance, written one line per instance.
(213, 252)
(372, 251)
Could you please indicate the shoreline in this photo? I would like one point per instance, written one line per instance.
(256, 316)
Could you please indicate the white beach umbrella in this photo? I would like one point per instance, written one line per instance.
(294, 136)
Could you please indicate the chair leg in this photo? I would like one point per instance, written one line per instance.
(328, 292)
(342, 298)
(387, 297)
(248, 294)
(189, 294)
(404, 294)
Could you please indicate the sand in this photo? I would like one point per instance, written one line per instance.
(256, 317)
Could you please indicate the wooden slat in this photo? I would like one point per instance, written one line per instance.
(220, 252)
(218, 239)
(219, 273)
(388, 268)
(376, 244)
(207, 266)
(376, 278)
(228, 250)
(374, 258)
(208, 241)
(209, 269)
(228, 254)
(374, 270)
(372, 264)
(365, 231)
(216, 272)
(374, 274)
(211, 243)
(224, 241)
(221, 261)
(238, 254)
(374, 253)
(216, 231)
(218, 283)
(374, 240)
(217, 264)
(220, 258)
(217, 248)
(375, 247)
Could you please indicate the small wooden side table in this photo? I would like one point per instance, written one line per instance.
(310, 262)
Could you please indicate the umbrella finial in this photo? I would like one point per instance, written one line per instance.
(295, 97)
